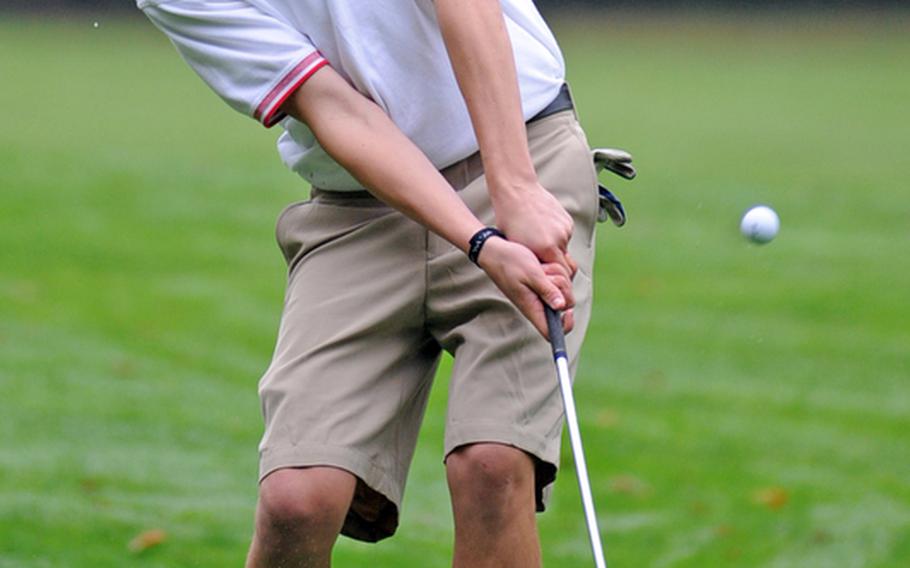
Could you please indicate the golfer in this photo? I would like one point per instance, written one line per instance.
(452, 193)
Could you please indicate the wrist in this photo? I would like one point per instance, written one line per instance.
(478, 241)
(509, 181)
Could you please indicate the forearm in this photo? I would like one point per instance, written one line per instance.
(481, 54)
(360, 137)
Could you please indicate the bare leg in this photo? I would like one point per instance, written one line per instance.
(492, 487)
(299, 517)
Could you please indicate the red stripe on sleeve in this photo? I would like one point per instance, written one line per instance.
(268, 110)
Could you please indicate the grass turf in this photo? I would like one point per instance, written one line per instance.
(741, 405)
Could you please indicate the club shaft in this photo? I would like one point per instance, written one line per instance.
(581, 467)
(557, 340)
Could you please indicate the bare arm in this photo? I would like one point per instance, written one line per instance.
(362, 138)
(481, 53)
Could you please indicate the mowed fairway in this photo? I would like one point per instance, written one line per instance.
(741, 405)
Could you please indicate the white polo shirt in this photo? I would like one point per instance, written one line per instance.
(255, 53)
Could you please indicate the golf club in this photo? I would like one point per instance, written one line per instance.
(558, 342)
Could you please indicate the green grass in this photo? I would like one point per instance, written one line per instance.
(741, 405)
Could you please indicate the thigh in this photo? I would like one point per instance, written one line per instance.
(349, 379)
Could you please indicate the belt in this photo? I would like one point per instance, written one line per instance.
(563, 101)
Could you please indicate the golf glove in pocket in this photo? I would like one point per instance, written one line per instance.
(618, 162)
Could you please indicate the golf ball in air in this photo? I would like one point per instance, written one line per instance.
(760, 224)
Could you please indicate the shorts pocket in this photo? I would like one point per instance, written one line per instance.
(304, 227)
(290, 218)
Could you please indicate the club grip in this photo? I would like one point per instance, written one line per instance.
(557, 335)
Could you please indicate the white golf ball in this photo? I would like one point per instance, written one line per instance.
(760, 224)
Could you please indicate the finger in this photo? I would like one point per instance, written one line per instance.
(573, 266)
(560, 257)
(568, 320)
(566, 236)
(568, 225)
(571, 227)
(548, 291)
(560, 277)
(568, 294)
(553, 269)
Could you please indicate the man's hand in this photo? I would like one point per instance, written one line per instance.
(531, 216)
(527, 283)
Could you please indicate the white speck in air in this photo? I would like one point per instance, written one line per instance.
(96, 25)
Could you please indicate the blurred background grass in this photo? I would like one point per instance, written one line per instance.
(741, 405)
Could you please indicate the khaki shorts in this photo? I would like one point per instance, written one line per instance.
(372, 300)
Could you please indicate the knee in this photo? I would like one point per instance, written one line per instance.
(490, 474)
(288, 503)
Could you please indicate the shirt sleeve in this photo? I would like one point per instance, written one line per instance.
(252, 60)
